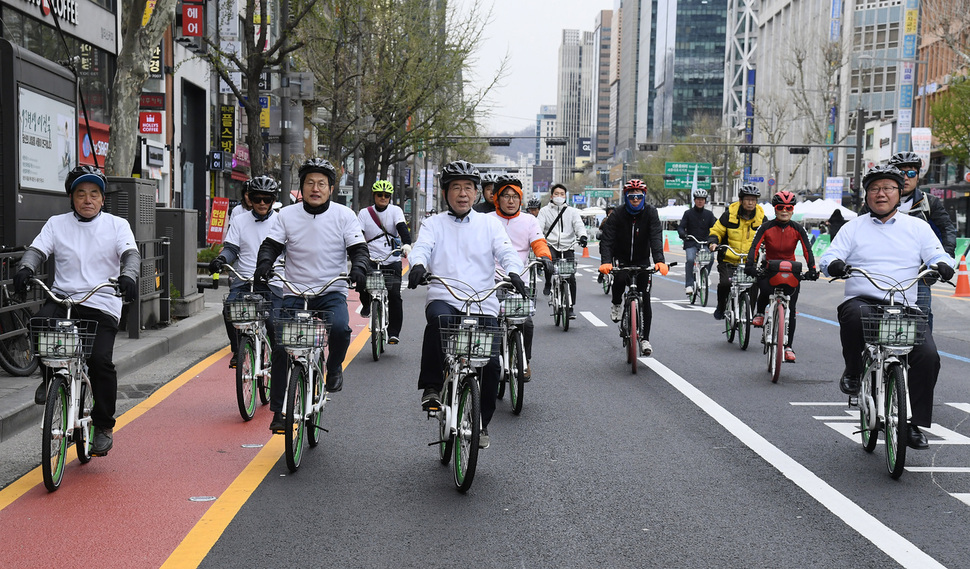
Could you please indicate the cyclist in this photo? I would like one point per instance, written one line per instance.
(89, 246)
(240, 246)
(384, 228)
(630, 236)
(525, 235)
(487, 205)
(610, 208)
(533, 207)
(319, 236)
(894, 245)
(780, 237)
(696, 222)
(243, 206)
(562, 227)
(736, 227)
(460, 244)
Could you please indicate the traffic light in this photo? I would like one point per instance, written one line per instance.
(556, 141)
(499, 141)
(798, 150)
(644, 147)
(747, 149)
(669, 178)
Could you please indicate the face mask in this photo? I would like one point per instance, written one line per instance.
(558, 200)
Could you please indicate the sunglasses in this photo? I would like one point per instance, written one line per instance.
(784, 208)
(634, 197)
(911, 173)
(262, 199)
(382, 195)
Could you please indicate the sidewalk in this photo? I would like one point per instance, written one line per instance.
(17, 408)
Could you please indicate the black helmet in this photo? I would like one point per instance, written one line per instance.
(749, 190)
(883, 173)
(459, 170)
(264, 185)
(905, 158)
(321, 166)
(534, 203)
(489, 178)
(84, 173)
(505, 180)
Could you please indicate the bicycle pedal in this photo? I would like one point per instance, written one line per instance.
(436, 443)
(319, 428)
(853, 401)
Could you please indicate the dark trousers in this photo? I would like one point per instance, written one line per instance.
(724, 272)
(337, 342)
(101, 368)
(433, 359)
(924, 360)
(567, 254)
(392, 278)
(238, 289)
(528, 331)
(620, 281)
(767, 291)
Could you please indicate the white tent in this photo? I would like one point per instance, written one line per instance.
(820, 209)
(671, 212)
(592, 212)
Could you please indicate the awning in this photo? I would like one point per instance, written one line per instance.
(238, 176)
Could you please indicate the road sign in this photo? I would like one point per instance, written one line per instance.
(683, 173)
(579, 198)
(771, 181)
(755, 179)
(599, 193)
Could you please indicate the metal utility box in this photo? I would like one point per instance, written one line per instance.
(180, 226)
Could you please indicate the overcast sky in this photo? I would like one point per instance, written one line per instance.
(530, 32)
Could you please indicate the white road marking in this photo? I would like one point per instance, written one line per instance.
(593, 319)
(943, 436)
(896, 546)
(965, 407)
(960, 469)
(965, 498)
(818, 403)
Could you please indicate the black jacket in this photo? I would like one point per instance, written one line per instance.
(630, 240)
(696, 222)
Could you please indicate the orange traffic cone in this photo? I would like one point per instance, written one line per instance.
(963, 281)
(666, 245)
(585, 252)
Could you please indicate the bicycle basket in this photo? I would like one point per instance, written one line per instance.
(468, 336)
(58, 338)
(515, 306)
(741, 278)
(894, 326)
(703, 256)
(566, 267)
(246, 307)
(297, 328)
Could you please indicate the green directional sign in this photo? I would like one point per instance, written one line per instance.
(683, 173)
(599, 193)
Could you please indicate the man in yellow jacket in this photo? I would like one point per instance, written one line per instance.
(736, 228)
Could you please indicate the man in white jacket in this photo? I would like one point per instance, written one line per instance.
(563, 228)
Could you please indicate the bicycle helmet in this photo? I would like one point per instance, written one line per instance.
(383, 187)
(630, 187)
(506, 180)
(459, 170)
(882, 173)
(749, 190)
(84, 173)
(906, 159)
(490, 178)
(783, 197)
(534, 203)
(634, 184)
(318, 165)
(699, 193)
(264, 185)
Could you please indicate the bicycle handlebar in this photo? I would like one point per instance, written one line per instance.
(877, 279)
(639, 268)
(477, 297)
(388, 256)
(69, 300)
(696, 240)
(533, 263)
(308, 293)
(725, 246)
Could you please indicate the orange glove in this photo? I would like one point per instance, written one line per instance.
(605, 268)
(662, 268)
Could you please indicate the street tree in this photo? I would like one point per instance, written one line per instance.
(950, 123)
(949, 20)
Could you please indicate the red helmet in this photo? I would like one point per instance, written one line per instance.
(783, 197)
(635, 184)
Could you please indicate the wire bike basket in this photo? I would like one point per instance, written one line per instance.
(59, 338)
(704, 256)
(566, 266)
(246, 307)
(894, 326)
(515, 306)
(741, 278)
(469, 336)
(377, 280)
(297, 328)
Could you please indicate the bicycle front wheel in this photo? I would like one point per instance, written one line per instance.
(246, 387)
(265, 377)
(633, 345)
(730, 322)
(896, 427)
(376, 329)
(744, 321)
(703, 285)
(84, 435)
(556, 305)
(469, 431)
(446, 438)
(517, 365)
(55, 438)
(315, 421)
(16, 354)
(776, 351)
(867, 405)
(607, 283)
(295, 422)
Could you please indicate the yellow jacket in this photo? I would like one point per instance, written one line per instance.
(733, 230)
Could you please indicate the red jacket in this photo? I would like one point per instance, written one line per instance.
(780, 241)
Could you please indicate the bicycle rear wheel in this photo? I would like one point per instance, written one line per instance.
(295, 422)
(517, 365)
(776, 351)
(377, 329)
(84, 435)
(246, 387)
(896, 427)
(17, 356)
(633, 345)
(867, 406)
(54, 439)
(567, 303)
(744, 321)
(704, 284)
(469, 431)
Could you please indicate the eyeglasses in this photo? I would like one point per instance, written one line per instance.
(883, 189)
(322, 184)
(634, 197)
(509, 196)
(261, 199)
(784, 207)
(910, 173)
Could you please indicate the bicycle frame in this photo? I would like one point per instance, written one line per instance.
(736, 318)
(377, 288)
(633, 297)
(251, 332)
(561, 298)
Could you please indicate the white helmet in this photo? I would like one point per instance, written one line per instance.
(699, 193)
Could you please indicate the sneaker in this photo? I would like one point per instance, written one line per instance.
(572, 315)
(365, 310)
(232, 362)
(758, 321)
(102, 441)
(277, 425)
(335, 380)
(547, 290)
(40, 395)
(527, 374)
(718, 314)
(789, 355)
(689, 290)
(645, 348)
(483, 439)
(616, 311)
(430, 399)
(393, 340)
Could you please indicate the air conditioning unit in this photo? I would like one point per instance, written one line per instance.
(947, 78)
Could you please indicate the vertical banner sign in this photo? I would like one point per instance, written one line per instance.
(149, 8)
(906, 78)
(227, 128)
(192, 19)
(217, 220)
(922, 141)
(155, 63)
(749, 120)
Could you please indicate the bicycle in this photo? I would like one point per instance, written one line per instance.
(739, 313)
(468, 342)
(890, 332)
(63, 346)
(514, 310)
(561, 300)
(630, 323)
(17, 357)
(784, 277)
(247, 313)
(702, 272)
(377, 288)
(303, 333)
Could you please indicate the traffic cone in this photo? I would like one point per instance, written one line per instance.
(585, 252)
(666, 245)
(963, 281)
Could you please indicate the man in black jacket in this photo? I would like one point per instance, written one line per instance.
(697, 222)
(630, 236)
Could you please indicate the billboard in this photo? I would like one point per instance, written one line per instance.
(48, 141)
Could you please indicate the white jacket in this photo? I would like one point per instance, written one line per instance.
(566, 231)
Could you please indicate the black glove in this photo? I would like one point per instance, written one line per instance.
(946, 271)
(751, 270)
(548, 266)
(811, 275)
(583, 240)
(837, 268)
(416, 276)
(359, 277)
(20, 280)
(128, 288)
(261, 274)
(215, 266)
(518, 285)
